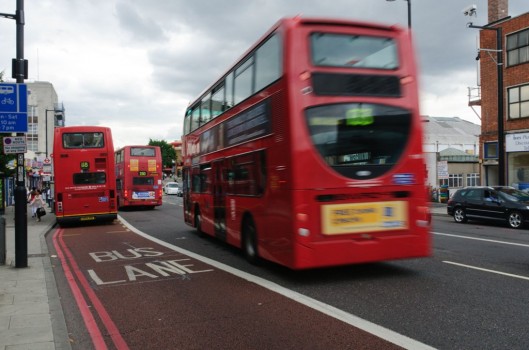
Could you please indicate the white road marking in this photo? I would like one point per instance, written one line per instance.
(487, 270)
(481, 239)
(355, 321)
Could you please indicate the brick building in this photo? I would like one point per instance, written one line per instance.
(515, 91)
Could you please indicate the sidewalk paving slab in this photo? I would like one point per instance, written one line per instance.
(31, 315)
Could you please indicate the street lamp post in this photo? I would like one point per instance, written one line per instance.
(499, 70)
(409, 12)
(48, 110)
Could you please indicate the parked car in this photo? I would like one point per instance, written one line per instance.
(173, 188)
(499, 203)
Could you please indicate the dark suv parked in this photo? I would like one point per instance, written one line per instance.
(491, 203)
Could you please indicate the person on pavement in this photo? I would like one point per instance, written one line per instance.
(37, 203)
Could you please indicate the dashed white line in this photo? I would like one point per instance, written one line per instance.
(481, 239)
(488, 270)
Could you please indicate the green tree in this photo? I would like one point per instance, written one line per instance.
(168, 152)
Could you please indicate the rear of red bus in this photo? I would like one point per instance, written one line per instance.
(139, 176)
(85, 185)
(354, 179)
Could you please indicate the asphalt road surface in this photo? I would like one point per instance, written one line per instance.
(470, 295)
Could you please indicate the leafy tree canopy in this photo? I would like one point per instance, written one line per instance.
(168, 152)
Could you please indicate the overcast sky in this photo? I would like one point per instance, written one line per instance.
(134, 65)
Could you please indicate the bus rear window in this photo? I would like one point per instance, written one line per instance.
(89, 178)
(138, 181)
(142, 152)
(351, 136)
(341, 50)
(83, 140)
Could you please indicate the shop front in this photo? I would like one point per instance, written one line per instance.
(517, 149)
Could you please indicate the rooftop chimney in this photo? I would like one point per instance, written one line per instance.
(498, 9)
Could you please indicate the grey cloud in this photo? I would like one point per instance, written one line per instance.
(142, 28)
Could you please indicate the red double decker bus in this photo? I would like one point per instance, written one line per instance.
(85, 184)
(308, 151)
(139, 176)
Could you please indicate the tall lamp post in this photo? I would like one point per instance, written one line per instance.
(48, 110)
(409, 12)
(499, 70)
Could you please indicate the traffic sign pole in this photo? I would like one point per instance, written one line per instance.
(21, 207)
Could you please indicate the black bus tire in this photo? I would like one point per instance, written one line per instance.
(249, 241)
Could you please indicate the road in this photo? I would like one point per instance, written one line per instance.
(469, 295)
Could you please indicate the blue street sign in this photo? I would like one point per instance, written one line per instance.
(13, 108)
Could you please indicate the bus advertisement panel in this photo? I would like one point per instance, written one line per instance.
(139, 176)
(85, 185)
(308, 151)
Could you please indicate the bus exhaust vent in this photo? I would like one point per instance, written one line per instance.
(356, 85)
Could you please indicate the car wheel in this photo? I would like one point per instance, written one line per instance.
(515, 219)
(249, 241)
(459, 215)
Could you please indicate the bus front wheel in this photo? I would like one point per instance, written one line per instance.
(249, 241)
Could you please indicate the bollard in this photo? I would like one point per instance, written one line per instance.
(3, 250)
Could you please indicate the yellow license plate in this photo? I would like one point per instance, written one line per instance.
(87, 218)
(340, 219)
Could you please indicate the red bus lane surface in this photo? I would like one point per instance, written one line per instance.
(139, 293)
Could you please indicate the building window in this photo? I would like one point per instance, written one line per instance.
(32, 137)
(454, 180)
(518, 48)
(518, 102)
(490, 150)
(518, 171)
(473, 179)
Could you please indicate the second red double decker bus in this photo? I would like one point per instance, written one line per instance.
(83, 163)
(308, 151)
(139, 176)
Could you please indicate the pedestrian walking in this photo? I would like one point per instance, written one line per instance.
(36, 204)
(31, 196)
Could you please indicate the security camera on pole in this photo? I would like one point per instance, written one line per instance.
(471, 11)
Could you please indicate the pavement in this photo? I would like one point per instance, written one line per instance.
(31, 315)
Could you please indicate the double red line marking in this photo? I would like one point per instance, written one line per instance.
(77, 281)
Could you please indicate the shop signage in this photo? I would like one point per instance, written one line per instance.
(517, 142)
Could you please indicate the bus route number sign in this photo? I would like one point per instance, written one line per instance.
(85, 165)
(142, 173)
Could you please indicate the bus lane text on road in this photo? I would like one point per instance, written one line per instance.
(141, 271)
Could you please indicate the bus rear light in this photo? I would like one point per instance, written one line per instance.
(303, 232)
(59, 207)
(304, 76)
(406, 80)
(425, 217)
(302, 217)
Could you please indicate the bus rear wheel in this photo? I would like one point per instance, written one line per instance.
(198, 222)
(249, 242)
